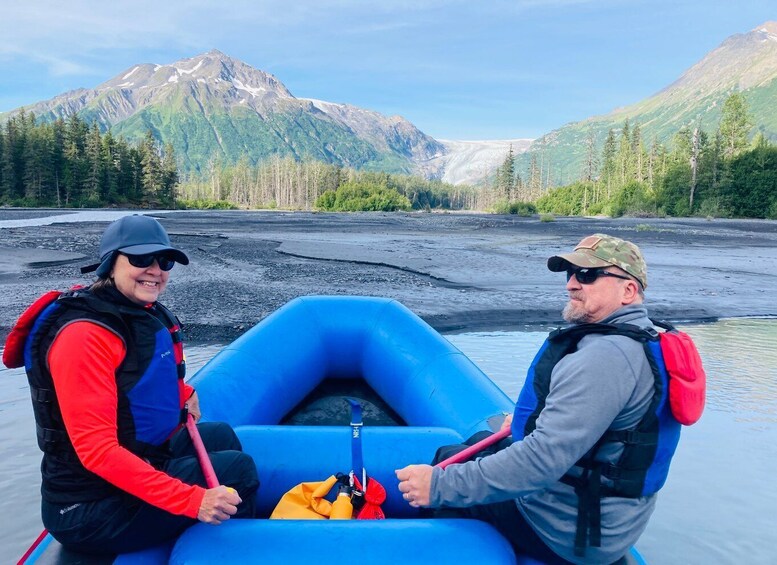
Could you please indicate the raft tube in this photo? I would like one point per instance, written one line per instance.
(269, 370)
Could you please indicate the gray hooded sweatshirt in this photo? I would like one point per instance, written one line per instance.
(606, 384)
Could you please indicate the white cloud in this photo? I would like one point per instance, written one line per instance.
(73, 35)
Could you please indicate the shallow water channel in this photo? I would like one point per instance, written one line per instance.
(719, 504)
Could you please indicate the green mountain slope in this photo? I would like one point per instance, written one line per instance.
(744, 63)
(215, 109)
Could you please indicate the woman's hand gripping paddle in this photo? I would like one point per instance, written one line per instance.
(44, 539)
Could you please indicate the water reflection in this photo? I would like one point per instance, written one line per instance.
(740, 357)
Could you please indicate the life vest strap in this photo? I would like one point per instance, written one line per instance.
(56, 444)
(630, 437)
(43, 395)
(49, 438)
(588, 488)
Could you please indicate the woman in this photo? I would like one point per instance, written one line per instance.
(106, 369)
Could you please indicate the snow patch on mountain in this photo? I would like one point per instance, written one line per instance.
(252, 90)
(190, 71)
(129, 74)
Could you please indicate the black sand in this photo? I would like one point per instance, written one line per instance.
(460, 272)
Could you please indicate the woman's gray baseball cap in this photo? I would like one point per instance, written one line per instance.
(133, 235)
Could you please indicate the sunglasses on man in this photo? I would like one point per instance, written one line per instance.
(589, 276)
(143, 261)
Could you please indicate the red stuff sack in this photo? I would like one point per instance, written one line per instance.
(13, 354)
(374, 496)
(687, 380)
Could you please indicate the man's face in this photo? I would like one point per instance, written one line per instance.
(590, 303)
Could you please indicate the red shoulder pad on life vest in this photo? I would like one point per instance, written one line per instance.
(687, 380)
(13, 354)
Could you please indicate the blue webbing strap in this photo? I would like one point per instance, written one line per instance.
(356, 440)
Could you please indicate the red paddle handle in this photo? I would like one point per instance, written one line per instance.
(472, 449)
(202, 454)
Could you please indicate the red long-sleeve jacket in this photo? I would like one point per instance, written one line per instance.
(86, 391)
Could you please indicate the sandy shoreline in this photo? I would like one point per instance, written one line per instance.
(460, 272)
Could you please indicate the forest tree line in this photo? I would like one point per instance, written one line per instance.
(70, 163)
(283, 182)
(713, 174)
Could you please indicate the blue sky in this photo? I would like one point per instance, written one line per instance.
(469, 69)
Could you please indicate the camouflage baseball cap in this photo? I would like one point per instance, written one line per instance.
(602, 250)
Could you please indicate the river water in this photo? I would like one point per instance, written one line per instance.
(719, 504)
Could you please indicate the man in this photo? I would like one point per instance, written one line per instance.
(578, 482)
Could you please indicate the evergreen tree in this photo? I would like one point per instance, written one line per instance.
(111, 168)
(735, 124)
(94, 167)
(752, 191)
(57, 161)
(624, 155)
(169, 176)
(33, 165)
(638, 154)
(609, 163)
(151, 171)
(11, 188)
(591, 162)
(505, 182)
(652, 164)
(683, 143)
(75, 163)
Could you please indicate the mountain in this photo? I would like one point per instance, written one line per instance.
(214, 107)
(744, 63)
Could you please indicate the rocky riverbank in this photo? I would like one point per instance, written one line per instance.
(460, 272)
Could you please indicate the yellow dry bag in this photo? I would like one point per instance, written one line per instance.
(305, 502)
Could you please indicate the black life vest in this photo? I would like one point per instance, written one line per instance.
(146, 381)
(648, 447)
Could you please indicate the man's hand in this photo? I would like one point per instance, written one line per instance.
(415, 482)
(508, 421)
(218, 505)
(193, 406)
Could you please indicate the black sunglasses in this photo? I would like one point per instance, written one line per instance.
(589, 276)
(143, 261)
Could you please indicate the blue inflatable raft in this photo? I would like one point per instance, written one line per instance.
(281, 386)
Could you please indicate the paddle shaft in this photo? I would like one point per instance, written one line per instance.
(473, 449)
(202, 454)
